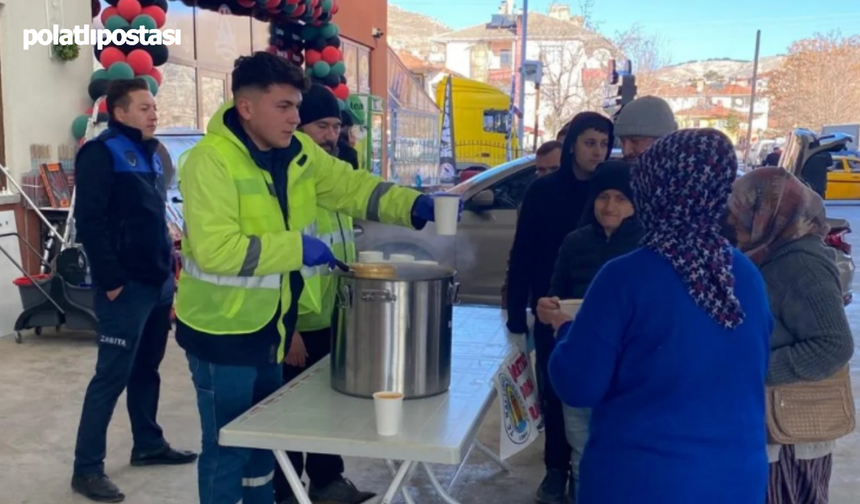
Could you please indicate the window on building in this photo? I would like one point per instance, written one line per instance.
(177, 98)
(212, 95)
(497, 121)
(505, 59)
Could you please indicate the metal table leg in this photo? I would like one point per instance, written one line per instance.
(404, 490)
(492, 455)
(399, 478)
(438, 486)
(292, 478)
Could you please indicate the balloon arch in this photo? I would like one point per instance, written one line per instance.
(301, 31)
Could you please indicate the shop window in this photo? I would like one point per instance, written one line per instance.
(212, 96)
(222, 38)
(497, 121)
(181, 17)
(350, 59)
(177, 98)
(259, 35)
(363, 70)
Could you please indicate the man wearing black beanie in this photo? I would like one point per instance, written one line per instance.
(320, 119)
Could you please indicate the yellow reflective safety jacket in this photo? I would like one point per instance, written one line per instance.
(236, 248)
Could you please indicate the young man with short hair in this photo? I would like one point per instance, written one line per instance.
(121, 222)
(251, 258)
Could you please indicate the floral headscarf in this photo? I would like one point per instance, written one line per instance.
(681, 186)
(773, 208)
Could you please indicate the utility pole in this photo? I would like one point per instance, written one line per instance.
(522, 97)
(752, 97)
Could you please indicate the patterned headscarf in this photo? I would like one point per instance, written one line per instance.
(773, 207)
(681, 186)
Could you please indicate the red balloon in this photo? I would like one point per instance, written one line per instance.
(334, 8)
(156, 74)
(311, 56)
(129, 9)
(273, 4)
(293, 2)
(248, 3)
(108, 13)
(331, 55)
(342, 91)
(140, 61)
(300, 10)
(317, 12)
(110, 56)
(156, 13)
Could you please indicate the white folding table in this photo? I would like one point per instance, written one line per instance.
(307, 415)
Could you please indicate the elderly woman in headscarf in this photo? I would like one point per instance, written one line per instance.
(670, 346)
(780, 225)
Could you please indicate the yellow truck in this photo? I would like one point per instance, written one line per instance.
(481, 123)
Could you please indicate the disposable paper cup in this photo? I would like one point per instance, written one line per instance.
(401, 258)
(445, 210)
(570, 306)
(389, 412)
(370, 256)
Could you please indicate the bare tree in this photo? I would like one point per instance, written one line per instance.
(646, 51)
(818, 83)
(569, 86)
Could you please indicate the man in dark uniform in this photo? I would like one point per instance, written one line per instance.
(121, 223)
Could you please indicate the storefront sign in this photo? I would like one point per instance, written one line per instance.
(447, 158)
(518, 404)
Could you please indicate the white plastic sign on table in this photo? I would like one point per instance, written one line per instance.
(518, 404)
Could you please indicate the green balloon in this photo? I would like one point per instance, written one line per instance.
(116, 23)
(120, 70)
(309, 71)
(341, 104)
(321, 69)
(338, 68)
(101, 73)
(144, 21)
(328, 30)
(79, 126)
(153, 85)
(327, 5)
(309, 32)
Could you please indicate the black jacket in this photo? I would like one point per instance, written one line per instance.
(551, 209)
(120, 215)
(585, 251)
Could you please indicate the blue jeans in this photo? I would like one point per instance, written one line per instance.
(225, 474)
(576, 425)
(132, 335)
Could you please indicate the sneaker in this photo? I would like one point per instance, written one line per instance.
(341, 491)
(553, 488)
(96, 487)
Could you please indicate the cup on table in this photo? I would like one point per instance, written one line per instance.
(401, 258)
(370, 256)
(570, 306)
(446, 208)
(389, 412)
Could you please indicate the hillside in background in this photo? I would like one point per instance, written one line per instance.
(725, 68)
(412, 32)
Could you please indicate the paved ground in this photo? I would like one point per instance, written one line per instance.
(42, 383)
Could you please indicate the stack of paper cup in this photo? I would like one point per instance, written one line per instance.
(389, 412)
(401, 258)
(446, 209)
(570, 306)
(370, 256)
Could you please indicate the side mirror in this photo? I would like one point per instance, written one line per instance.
(484, 200)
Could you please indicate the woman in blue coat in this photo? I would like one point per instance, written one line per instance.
(670, 347)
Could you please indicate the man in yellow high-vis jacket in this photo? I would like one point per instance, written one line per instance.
(321, 121)
(251, 258)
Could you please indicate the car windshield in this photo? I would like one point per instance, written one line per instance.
(464, 186)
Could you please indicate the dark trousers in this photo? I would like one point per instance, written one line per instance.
(322, 469)
(556, 448)
(132, 334)
(228, 474)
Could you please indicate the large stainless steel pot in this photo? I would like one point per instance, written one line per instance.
(394, 333)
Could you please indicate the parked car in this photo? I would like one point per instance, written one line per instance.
(843, 177)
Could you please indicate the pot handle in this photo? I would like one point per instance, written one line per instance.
(344, 297)
(454, 293)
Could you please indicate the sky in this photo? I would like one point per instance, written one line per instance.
(691, 29)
